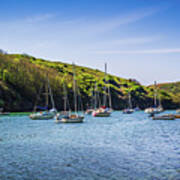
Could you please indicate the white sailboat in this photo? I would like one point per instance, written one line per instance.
(129, 110)
(104, 111)
(177, 115)
(45, 114)
(69, 117)
(157, 106)
(178, 111)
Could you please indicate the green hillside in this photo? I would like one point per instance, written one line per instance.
(22, 77)
(173, 89)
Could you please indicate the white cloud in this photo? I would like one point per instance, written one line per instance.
(150, 51)
(97, 26)
(39, 18)
(127, 41)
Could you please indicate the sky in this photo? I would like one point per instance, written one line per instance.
(137, 38)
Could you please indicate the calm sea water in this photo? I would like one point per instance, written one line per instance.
(118, 147)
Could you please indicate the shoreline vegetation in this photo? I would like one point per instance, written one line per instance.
(22, 76)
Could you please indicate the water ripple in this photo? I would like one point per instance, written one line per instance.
(119, 147)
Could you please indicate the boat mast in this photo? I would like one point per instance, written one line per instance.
(74, 88)
(51, 95)
(155, 94)
(105, 88)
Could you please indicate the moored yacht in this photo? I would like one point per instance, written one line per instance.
(104, 111)
(44, 113)
(68, 116)
(155, 109)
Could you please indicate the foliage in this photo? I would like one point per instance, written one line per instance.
(22, 76)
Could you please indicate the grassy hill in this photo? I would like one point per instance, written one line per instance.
(22, 76)
(173, 89)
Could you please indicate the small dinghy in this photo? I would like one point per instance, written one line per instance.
(73, 118)
(89, 111)
(101, 112)
(164, 117)
(45, 115)
(178, 111)
(128, 111)
(177, 116)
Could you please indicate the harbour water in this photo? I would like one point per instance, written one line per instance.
(119, 147)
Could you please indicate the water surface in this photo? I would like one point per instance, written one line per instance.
(119, 147)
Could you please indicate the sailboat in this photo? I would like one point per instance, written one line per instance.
(178, 111)
(156, 109)
(177, 115)
(45, 114)
(69, 117)
(104, 111)
(129, 110)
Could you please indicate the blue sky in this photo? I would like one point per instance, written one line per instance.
(137, 38)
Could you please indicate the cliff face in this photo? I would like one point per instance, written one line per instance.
(22, 77)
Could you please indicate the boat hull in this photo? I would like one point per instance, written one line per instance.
(39, 117)
(177, 116)
(128, 111)
(164, 117)
(4, 114)
(89, 111)
(153, 110)
(78, 119)
(101, 114)
(178, 111)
